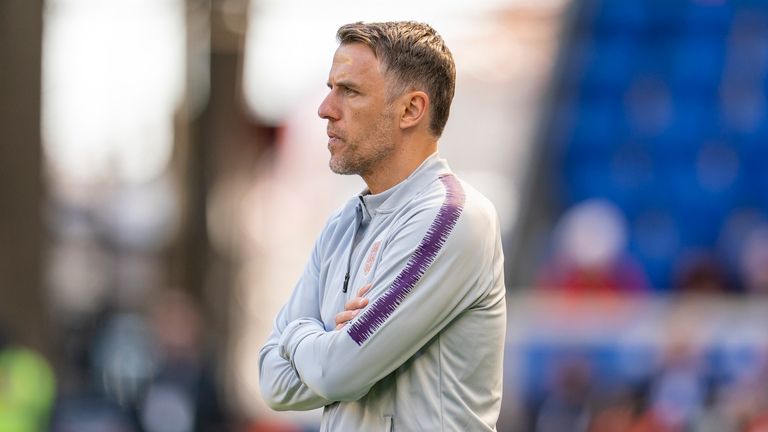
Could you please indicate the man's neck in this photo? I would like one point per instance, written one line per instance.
(398, 167)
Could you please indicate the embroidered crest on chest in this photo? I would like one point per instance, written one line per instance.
(371, 258)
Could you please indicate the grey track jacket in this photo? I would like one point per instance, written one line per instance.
(426, 353)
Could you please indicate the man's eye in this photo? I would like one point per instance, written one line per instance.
(349, 91)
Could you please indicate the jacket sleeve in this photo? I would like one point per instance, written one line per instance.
(432, 269)
(281, 387)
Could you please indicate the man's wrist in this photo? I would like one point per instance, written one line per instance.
(294, 333)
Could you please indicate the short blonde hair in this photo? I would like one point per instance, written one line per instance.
(416, 56)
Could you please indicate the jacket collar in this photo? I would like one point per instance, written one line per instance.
(430, 170)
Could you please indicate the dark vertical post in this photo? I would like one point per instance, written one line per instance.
(23, 309)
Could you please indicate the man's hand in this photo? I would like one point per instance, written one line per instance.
(352, 308)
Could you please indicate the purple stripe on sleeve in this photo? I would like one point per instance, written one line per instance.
(417, 265)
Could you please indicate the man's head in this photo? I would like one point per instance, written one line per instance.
(414, 57)
(391, 86)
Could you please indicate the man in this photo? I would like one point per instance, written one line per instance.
(419, 346)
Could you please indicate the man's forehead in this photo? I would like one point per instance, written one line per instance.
(355, 48)
(355, 58)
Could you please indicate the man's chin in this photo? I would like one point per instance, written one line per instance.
(341, 171)
(338, 167)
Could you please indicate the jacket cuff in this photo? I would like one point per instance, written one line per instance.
(294, 333)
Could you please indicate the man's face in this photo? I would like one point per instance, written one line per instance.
(361, 121)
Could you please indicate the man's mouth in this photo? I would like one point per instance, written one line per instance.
(333, 138)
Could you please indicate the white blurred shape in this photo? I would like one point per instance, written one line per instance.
(592, 234)
(78, 275)
(141, 216)
(500, 190)
(113, 75)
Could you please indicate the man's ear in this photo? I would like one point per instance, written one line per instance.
(415, 109)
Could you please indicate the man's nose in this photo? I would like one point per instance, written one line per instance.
(327, 109)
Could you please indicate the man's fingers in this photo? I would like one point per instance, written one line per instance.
(352, 307)
(364, 290)
(344, 317)
(356, 303)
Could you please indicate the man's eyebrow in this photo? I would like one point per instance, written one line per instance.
(343, 83)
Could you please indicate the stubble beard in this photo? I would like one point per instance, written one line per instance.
(362, 156)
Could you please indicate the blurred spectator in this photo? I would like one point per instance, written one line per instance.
(700, 272)
(726, 412)
(146, 375)
(567, 408)
(754, 395)
(122, 358)
(753, 265)
(617, 413)
(91, 412)
(678, 391)
(89, 400)
(182, 395)
(272, 426)
(739, 226)
(589, 253)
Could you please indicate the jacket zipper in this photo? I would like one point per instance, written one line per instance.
(358, 219)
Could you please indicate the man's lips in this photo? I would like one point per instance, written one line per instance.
(333, 138)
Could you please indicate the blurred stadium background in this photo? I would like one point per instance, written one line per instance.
(163, 175)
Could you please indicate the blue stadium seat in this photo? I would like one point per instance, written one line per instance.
(652, 93)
